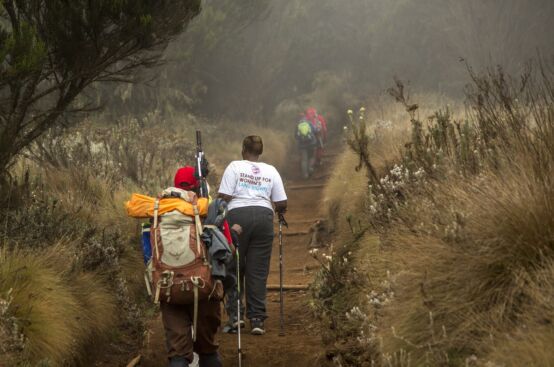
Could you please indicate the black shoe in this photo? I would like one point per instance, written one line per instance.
(209, 360)
(257, 327)
(178, 362)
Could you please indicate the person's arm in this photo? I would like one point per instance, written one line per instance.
(228, 184)
(281, 206)
(225, 197)
(278, 195)
(324, 126)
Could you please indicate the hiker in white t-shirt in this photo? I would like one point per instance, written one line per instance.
(253, 189)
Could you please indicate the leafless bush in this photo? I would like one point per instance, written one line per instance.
(144, 151)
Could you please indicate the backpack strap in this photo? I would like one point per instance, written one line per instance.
(199, 230)
(156, 210)
(196, 284)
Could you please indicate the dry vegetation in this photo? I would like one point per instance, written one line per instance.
(70, 264)
(69, 269)
(445, 243)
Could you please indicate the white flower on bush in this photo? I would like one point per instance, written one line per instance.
(356, 314)
(384, 124)
(10, 331)
(396, 171)
(420, 173)
(372, 209)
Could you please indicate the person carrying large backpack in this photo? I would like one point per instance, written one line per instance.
(306, 142)
(253, 189)
(186, 268)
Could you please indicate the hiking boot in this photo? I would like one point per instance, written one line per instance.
(241, 322)
(257, 327)
(231, 327)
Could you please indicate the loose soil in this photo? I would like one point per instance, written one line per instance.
(301, 344)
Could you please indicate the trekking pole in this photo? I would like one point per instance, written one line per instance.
(282, 222)
(238, 308)
(199, 163)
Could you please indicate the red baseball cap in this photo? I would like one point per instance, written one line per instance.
(185, 178)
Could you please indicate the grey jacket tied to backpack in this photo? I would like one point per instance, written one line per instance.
(219, 251)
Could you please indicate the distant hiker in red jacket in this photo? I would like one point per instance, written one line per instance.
(319, 125)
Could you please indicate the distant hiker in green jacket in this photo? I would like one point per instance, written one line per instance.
(306, 143)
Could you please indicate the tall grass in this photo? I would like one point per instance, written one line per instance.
(465, 216)
(60, 312)
(70, 266)
(68, 269)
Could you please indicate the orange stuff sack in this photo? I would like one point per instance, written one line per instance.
(142, 206)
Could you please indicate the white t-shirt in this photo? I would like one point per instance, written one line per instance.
(252, 184)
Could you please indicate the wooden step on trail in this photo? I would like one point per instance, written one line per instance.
(135, 362)
(294, 234)
(302, 221)
(305, 187)
(288, 287)
(322, 177)
(305, 269)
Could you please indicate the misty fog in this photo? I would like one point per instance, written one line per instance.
(243, 59)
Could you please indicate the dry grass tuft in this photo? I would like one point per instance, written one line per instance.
(339, 207)
(531, 342)
(472, 268)
(59, 312)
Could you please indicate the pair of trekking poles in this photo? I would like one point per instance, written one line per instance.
(282, 222)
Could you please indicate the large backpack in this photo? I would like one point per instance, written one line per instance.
(179, 271)
(304, 132)
(317, 125)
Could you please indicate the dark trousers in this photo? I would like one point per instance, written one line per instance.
(307, 160)
(178, 321)
(255, 245)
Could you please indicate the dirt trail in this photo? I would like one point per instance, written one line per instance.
(301, 345)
